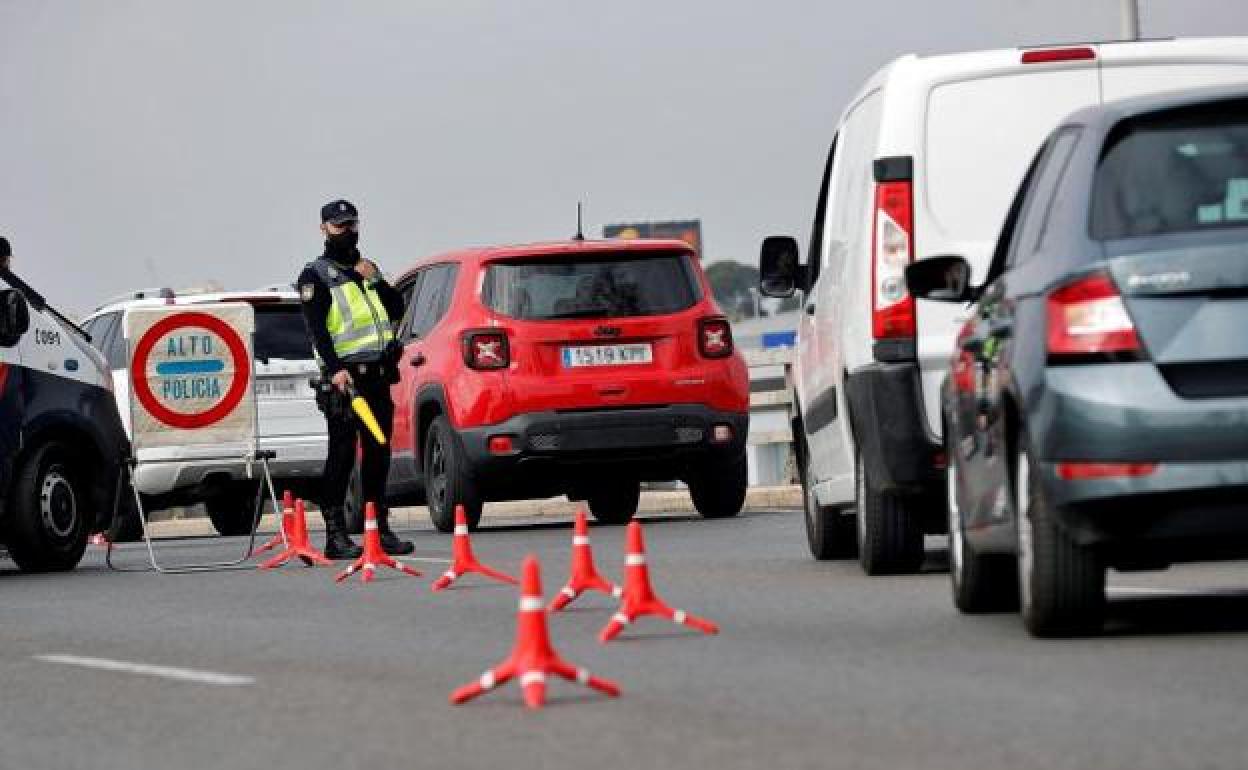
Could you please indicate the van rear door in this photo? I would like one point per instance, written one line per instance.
(1148, 67)
(979, 134)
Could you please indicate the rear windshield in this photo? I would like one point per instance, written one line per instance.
(280, 333)
(609, 286)
(1173, 174)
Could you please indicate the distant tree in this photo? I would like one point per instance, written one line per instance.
(733, 285)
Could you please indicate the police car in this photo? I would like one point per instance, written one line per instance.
(289, 422)
(62, 444)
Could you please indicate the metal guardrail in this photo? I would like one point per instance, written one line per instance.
(770, 440)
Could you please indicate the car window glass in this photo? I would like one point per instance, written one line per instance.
(1183, 171)
(446, 292)
(627, 284)
(281, 333)
(409, 291)
(115, 351)
(1030, 227)
(1010, 228)
(814, 254)
(425, 301)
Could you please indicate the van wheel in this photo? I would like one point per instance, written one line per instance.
(614, 501)
(829, 529)
(981, 584)
(448, 482)
(353, 505)
(1061, 583)
(231, 511)
(718, 489)
(890, 540)
(47, 529)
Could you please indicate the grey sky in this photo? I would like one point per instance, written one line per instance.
(166, 142)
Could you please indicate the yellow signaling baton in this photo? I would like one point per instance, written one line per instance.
(365, 413)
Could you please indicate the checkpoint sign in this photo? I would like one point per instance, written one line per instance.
(191, 375)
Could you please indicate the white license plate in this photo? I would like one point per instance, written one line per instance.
(607, 355)
(282, 387)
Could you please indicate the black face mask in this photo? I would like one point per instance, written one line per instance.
(341, 247)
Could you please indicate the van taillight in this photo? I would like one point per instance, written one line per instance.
(715, 337)
(892, 248)
(1080, 53)
(486, 349)
(1087, 317)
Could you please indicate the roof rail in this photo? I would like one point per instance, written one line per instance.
(163, 292)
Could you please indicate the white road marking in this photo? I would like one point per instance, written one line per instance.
(144, 669)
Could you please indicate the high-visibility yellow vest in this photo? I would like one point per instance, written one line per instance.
(357, 321)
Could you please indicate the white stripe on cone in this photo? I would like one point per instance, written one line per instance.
(532, 677)
(582, 675)
(620, 618)
(461, 530)
(634, 560)
(370, 524)
(580, 540)
(531, 604)
(680, 616)
(487, 680)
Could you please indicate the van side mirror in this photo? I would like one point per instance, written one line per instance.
(941, 279)
(779, 274)
(14, 317)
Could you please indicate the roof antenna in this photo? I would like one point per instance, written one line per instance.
(580, 231)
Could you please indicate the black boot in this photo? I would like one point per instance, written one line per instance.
(390, 542)
(338, 544)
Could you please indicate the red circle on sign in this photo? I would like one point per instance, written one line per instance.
(238, 351)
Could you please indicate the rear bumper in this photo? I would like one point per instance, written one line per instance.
(192, 472)
(890, 427)
(653, 443)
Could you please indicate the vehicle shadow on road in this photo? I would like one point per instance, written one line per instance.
(1225, 612)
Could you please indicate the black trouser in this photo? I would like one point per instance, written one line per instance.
(344, 428)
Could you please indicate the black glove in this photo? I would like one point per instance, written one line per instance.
(331, 401)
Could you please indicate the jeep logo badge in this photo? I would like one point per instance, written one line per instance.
(607, 331)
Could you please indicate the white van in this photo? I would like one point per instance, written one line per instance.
(62, 446)
(924, 161)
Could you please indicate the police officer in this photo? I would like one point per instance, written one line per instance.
(349, 308)
(6, 253)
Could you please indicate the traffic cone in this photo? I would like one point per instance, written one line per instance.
(585, 576)
(295, 528)
(100, 539)
(639, 597)
(463, 560)
(532, 658)
(281, 538)
(374, 556)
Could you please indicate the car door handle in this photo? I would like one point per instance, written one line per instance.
(418, 359)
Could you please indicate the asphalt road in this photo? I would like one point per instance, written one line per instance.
(817, 666)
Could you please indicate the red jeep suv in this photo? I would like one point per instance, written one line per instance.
(579, 367)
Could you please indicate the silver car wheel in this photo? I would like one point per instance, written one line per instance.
(58, 507)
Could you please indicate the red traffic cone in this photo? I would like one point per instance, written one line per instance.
(281, 538)
(374, 556)
(295, 529)
(639, 597)
(533, 658)
(462, 559)
(585, 576)
(100, 539)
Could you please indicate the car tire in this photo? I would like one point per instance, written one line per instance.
(982, 583)
(353, 504)
(47, 526)
(1061, 583)
(448, 480)
(231, 511)
(614, 501)
(829, 529)
(718, 489)
(890, 538)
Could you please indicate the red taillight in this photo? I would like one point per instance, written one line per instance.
(1081, 53)
(1088, 316)
(486, 349)
(892, 249)
(1083, 471)
(501, 445)
(4, 377)
(715, 337)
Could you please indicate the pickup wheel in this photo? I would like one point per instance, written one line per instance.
(890, 538)
(448, 480)
(1061, 584)
(614, 501)
(47, 527)
(829, 530)
(231, 511)
(718, 488)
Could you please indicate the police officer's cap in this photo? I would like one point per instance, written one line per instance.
(339, 211)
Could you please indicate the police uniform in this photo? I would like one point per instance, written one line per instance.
(351, 322)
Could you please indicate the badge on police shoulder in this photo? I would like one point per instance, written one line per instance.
(306, 290)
